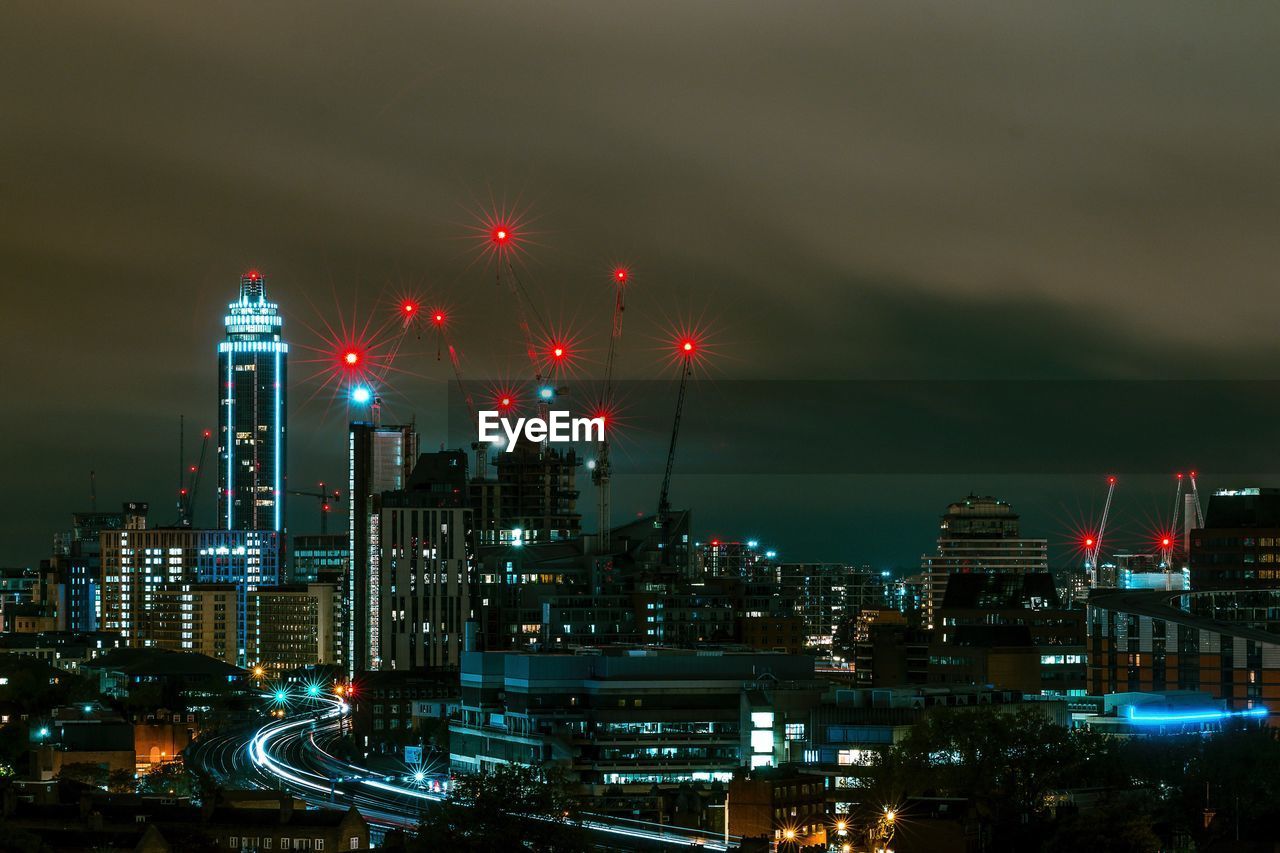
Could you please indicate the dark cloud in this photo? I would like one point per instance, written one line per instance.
(843, 190)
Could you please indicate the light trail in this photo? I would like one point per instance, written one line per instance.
(259, 749)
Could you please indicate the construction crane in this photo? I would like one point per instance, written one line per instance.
(1195, 494)
(189, 476)
(1177, 503)
(687, 350)
(1093, 544)
(600, 475)
(327, 500)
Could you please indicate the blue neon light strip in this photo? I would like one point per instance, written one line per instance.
(231, 440)
(1191, 717)
(279, 438)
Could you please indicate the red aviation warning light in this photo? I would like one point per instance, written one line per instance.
(1166, 541)
(351, 358)
(409, 308)
(501, 235)
(437, 317)
(621, 274)
(1089, 541)
(688, 347)
(253, 275)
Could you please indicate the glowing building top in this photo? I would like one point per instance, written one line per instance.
(252, 385)
(252, 317)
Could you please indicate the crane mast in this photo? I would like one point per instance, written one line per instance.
(189, 479)
(1094, 553)
(1195, 494)
(602, 473)
(664, 502)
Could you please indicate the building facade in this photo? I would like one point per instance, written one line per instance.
(379, 459)
(1225, 644)
(428, 567)
(617, 716)
(294, 626)
(139, 564)
(978, 534)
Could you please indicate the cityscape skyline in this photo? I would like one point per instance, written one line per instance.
(757, 427)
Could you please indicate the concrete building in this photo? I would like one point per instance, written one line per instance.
(978, 535)
(199, 618)
(533, 497)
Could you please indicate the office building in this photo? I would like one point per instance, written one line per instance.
(978, 535)
(428, 566)
(294, 626)
(252, 386)
(320, 558)
(379, 459)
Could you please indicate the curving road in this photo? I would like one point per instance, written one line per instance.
(293, 754)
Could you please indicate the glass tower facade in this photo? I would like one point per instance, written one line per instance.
(252, 378)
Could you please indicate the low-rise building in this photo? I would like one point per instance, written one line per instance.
(616, 716)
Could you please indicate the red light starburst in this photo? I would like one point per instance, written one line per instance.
(501, 232)
(349, 354)
(438, 317)
(558, 353)
(621, 275)
(505, 397)
(687, 346)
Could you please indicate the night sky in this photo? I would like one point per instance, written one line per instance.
(837, 192)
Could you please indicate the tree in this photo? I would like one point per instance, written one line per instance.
(94, 775)
(491, 809)
(171, 778)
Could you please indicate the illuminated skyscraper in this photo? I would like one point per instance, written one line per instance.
(252, 379)
(380, 459)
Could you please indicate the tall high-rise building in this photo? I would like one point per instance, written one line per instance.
(379, 460)
(978, 535)
(252, 382)
(428, 566)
